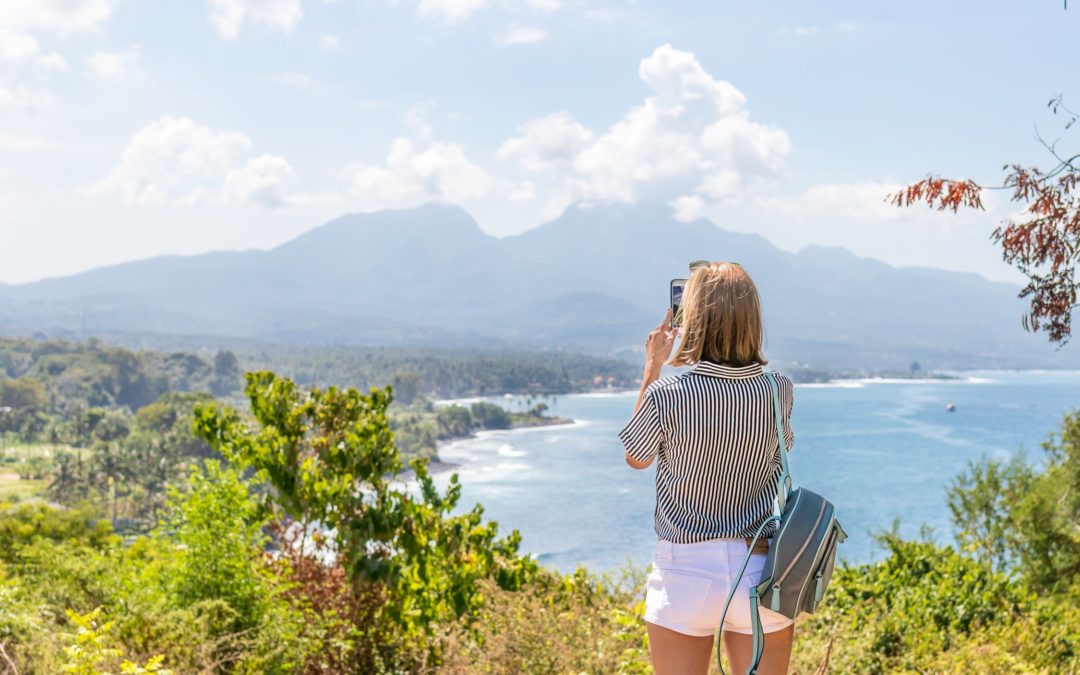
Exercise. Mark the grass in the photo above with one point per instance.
(17, 453)
(33, 460)
(15, 489)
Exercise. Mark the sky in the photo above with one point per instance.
(134, 128)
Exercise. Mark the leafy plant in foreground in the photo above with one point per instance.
(329, 460)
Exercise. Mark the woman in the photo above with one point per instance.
(712, 435)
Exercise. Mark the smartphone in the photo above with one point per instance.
(677, 286)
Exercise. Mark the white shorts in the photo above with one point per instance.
(690, 582)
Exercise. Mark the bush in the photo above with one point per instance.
(1025, 519)
(328, 458)
(927, 608)
(23, 524)
(559, 624)
(490, 416)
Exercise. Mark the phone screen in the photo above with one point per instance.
(677, 286)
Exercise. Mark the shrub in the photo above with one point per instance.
(490, 416)
(560, 624)
(929, 608)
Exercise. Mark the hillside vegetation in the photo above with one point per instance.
(278, 543)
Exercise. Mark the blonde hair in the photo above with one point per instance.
(721, 318)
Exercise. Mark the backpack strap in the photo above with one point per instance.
(755, 617)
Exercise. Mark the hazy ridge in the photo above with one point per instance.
(593, 280)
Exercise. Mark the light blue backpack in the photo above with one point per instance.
(802, 554)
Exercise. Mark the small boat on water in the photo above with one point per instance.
(949, 407)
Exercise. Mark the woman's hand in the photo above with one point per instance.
(659, 343)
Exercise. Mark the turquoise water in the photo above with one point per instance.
(880, 450)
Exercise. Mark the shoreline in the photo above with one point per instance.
(437, 465)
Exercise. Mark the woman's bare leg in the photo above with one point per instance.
(775, 658)
(676, 654)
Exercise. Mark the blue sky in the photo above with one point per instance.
(131, 128)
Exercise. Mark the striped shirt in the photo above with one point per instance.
(712, 432)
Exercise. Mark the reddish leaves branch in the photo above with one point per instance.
(1043, 244)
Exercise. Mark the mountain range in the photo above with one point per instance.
(593, 280)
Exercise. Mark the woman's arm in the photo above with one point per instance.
(657, 351)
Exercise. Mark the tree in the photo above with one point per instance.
(490, 416)
(22, 394)
(406, 386)
(1017, 517)
(328, 458)
(1044, 245)
(226, 373)
(455, 421)
(219, 528)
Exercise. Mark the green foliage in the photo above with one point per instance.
(490, 416)
(328, 456)
(129, 475)
(218, 527)
(24, 524)
(371, 575)
(227, 373)
(1012, 514)
(416, 431)
(442, 373)
(22, 393)
(90, 653)
(407, 386)
(925, 605)
(979, 500)
(151, 590)
(455, 421)
(560, 624)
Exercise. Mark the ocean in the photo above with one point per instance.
(883, 451)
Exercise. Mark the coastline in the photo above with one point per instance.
(437, 465)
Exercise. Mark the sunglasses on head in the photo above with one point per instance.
(702, 263)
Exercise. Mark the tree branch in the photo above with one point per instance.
(7, 660)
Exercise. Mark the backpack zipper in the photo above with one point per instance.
(822, 552)
(774, 605)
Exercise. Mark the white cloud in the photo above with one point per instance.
(261, 180)
(808, 31)
(601, 14)
(20, 96)
(417, 172)
(329, 43)
(688, 208)
(228, 16)
(863, 202)
(550, 142)
(545, 5)
(450, 11)
(416, 119)
(172, 159)
(295, 79)
(112, 65)
(517, 34)
(693, 137)
(19, 49)
(20, 20)
(60, 16)
(16, 143)
(523, 192)
(53, 61)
